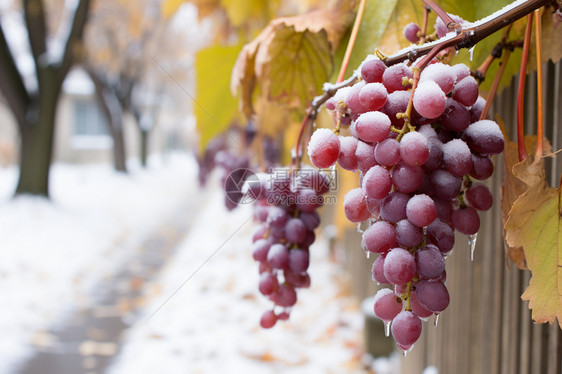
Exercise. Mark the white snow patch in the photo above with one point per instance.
(52, 253)
(211, 324)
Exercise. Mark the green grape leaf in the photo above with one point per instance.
(535, 223)
(214, 108)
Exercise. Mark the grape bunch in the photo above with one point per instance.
(286, 209)
(418, 171)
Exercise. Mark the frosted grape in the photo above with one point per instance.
(406, 328)
(365, 154)
(466, 220)
(430, 262)
(479, 196)
(387, 152)
(278, 256)
(372, 70)
(379, 237)
(441, 74)
(386, 305)
(399, 266)
(373, 96)
(414, 149)
(457, 157)
(484, 137)
(421, 210)
(466, 91)
(377, 182)
(354, 205)
(393, 77)
(346, 157)
(408, 234)
(455, 117)
(433, 296)
(268, 319)
(429, 99)
(411, 31)
(323, 148)
(372, 126)
(298, 260)
(407, 178)
(393, 207)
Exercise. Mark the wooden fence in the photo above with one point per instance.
(487, 328)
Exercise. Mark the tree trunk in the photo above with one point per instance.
(119, 152)
(144, 136)
(36, 138)
(113, 113)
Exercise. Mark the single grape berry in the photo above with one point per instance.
(421, 210)
(479, 196)
(399, 266)
(379, 237)
(268, 319)
(411, 31)
(414, 148)
(386, 305)
(372, 70)
(354, 205)
(406, 329)
(429, 99)
(466, 220)
(323, 148)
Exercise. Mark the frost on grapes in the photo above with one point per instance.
(416, 184)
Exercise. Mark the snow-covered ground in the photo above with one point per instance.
(207, 318)
(53, 252)
(204, 318)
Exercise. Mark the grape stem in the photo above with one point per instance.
(423, 32)
(467, 38)
(480, 73)
(408, 295)
(495, 84)
(352, 39)
(447, 20)
(540, 120)
(521, 90)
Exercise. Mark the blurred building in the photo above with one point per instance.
(82, 134)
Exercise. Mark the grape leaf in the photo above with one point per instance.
(295, 63)
(535, 223)
(214, 109)
(513, 187)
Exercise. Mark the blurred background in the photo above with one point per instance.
(118, 250)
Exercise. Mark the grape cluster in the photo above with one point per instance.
(286, 208)
(417, 173)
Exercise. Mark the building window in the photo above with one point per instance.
(90, 126)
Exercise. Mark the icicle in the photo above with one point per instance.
(387, 329)
(368, 254)
(436, 320)
(360, 228)
(472, 245)
(470, 53)
(405, 351)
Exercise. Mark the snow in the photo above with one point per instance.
(53, 253)
(211, 324)
(201, 313)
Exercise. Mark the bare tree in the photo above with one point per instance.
(34, 108)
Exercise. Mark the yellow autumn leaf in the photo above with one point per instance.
(295, 64)
(534, 223)
(214, 107)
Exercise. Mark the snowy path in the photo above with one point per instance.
(91, 337)
(206, 319)
(54, 253)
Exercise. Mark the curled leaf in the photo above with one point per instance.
(534, 223)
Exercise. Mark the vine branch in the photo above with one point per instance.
(467, 37)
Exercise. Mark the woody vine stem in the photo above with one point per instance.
(466, 37)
